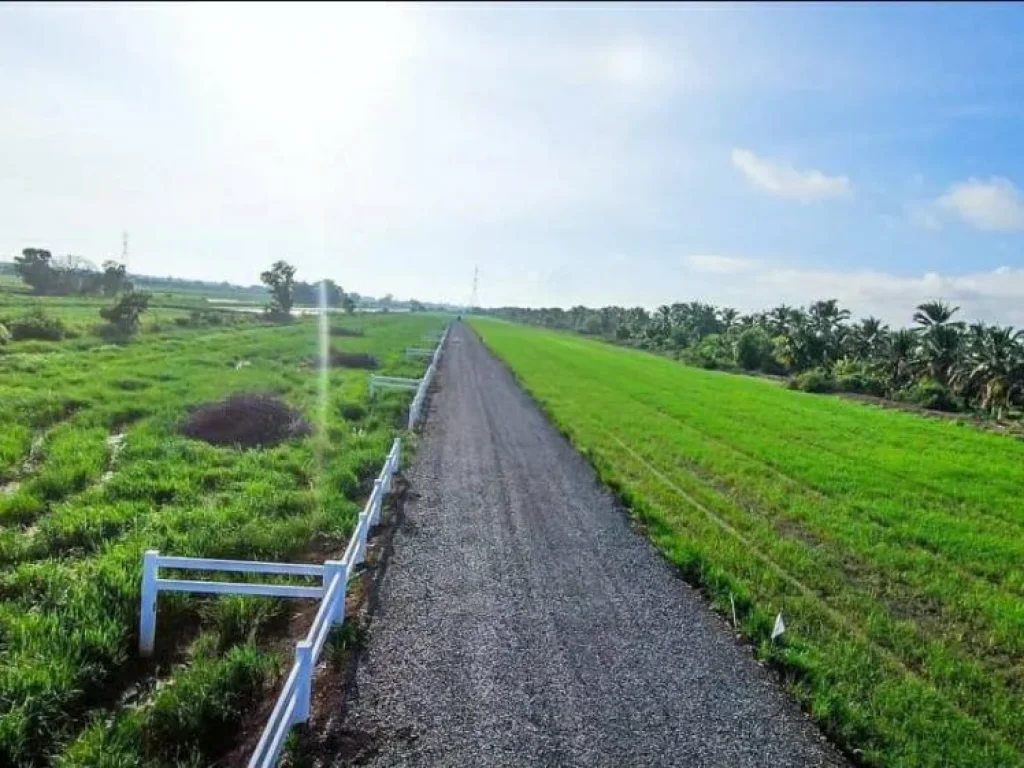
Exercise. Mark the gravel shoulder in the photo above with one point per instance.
(522, 621)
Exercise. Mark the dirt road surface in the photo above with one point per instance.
(522, 621)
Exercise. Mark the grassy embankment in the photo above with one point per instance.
(93, 472)
(893, 544)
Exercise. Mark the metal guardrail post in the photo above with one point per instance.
(147, 614)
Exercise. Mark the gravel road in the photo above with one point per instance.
(522, 621)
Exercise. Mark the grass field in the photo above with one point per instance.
(93, 471)
(893, 544)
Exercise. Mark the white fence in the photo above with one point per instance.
(421, 392)
(293, 703)
(422, 386)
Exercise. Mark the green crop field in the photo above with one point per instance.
(93, 471)
(892, 544)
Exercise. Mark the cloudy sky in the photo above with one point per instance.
(629, 154)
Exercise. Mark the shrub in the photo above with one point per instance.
(753, 349)
(814, 380)
(855, 376)
(930, 394)
(712, 352)
(126, 312)
(37, 325)
(861, 383)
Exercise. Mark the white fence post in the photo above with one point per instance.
(147, 606)
(364, 525)
(376, 502)
(332, 569)
(304, 681)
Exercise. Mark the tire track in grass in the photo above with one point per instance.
(964, 570)
(1011, 525)
(784, 405)
(992, 670)
(981, 579)
(832, 614)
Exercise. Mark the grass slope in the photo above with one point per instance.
(894, 545)
(93, 471)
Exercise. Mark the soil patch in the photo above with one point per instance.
(346, 332)
(249, 421)
(352, 360)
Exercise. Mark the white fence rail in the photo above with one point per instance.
(421, 392)
(422, 386)
(293, 703)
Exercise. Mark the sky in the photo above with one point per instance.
(634, 154)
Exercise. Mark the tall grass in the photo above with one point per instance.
(72, 691)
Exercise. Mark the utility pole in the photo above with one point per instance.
(476, 279)
(124, 248)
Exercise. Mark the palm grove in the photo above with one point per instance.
(940, 362)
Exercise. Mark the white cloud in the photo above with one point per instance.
(995, 205)
(783, 180)
(719, 264)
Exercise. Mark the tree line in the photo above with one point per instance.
(940, 362)
(70, 276)
(285, 292)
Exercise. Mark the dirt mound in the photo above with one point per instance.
(353, 360)
(248, 421)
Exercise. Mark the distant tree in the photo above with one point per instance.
(280, 279)
(416, 306)
(753, 349)
(35, 269)
(348, 302)
(125, 314)
(386, 302)
(114, 279)
(333, 293)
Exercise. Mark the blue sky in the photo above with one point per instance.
(630, 154)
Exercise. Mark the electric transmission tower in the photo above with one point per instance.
(473, 300)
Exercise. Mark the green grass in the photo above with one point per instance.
(893, 544)
(72, 532)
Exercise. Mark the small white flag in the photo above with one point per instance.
(779, 627)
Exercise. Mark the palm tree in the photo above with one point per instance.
(933, 313)
(727, 317)
(866, 337)
(939, 351)
(898, 358)
(827, 323)
(994, 365)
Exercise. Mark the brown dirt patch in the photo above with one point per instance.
(248, 421)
